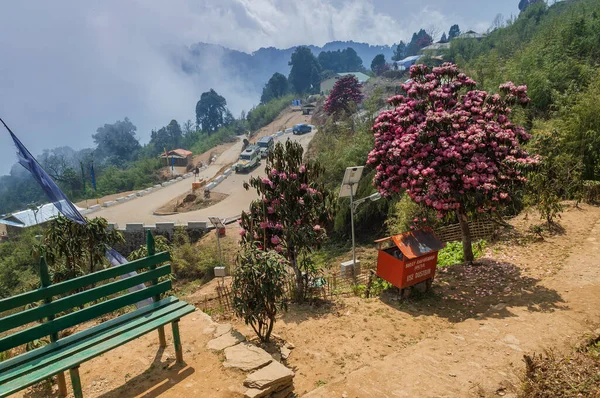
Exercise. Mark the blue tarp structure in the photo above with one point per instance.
(408, 61)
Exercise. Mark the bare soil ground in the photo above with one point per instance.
(528, 295)
(286, 119)
(466, 338)
(216, 152)
(141, 369)
(184, 203)
(471, 320)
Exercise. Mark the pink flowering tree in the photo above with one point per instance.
(292, 212)
(346, 91)
(451, 147)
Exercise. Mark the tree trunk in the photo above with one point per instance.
(299, 278)
(466, 236)
(299, 285)
(269, 330)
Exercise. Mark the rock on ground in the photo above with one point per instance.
(229, 339)
(283, 393)
(246, 356)
(221, 329)
(285, 352)
(274, 374)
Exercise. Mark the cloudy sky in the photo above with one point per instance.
(69, 66)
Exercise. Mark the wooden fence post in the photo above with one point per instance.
(44, 283)
(151, 251)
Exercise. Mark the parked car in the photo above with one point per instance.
(249, 159)
(266, 145)
(301, 129)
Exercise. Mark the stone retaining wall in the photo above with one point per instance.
(135, 233)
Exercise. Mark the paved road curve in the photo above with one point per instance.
(140, 210)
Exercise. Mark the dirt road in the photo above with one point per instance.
(140, 210)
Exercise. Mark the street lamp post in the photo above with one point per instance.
(348, 189)
(218, 224)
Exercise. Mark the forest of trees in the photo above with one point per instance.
(121, 163)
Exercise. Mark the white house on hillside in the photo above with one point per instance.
(327, 84)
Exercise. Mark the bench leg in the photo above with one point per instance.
(161, 337)
(76, 381)
(62, 384)
(177, 341)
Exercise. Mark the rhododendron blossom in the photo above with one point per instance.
(292, 203)
(449, 146)
(345, 91)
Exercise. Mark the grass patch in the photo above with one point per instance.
(453, 253)
(577, 374)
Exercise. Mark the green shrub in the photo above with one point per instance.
(161, 244)
(453, 253)
(18, 267)
(195, 262)
(263, 114)
(259, 288)
(403, 213)
(137, 175)
(4, 355)
(203, 142)
(379, 285)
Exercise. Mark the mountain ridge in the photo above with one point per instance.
(257, 67)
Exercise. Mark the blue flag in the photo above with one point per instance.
(64, 205)
(93, 174)
(58, 198)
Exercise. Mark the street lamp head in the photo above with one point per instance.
(376, 196)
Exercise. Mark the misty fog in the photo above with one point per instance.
(68, 67)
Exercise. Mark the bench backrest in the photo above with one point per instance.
(70, 299)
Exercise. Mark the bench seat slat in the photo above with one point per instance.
(82, 281)
(102, 334)
(74, 338)
(81, 316)
(78, 299)
(89, 353)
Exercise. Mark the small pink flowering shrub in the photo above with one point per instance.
(293, 210)
(449, 146)
(345, 92)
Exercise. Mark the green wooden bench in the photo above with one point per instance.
(69, 352)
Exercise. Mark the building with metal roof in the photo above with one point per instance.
(435, 47)
(31, 217)
(471, 35)
(178, 157)
(327, 84)
(407, 62)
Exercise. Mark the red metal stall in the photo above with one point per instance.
(410, 259)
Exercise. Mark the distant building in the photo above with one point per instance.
(181, 157)
(327, 84)
(308, 109)
(435, 48)
(471, 35)
(406, 62)
(15, 222)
